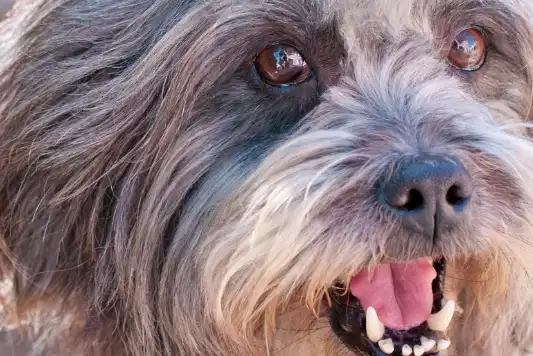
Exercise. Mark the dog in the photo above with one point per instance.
(273, 177)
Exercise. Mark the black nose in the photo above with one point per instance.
(429, 193)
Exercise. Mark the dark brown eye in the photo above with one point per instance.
(282, 65)
(469, 50)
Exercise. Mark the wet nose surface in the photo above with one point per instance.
(429, 193)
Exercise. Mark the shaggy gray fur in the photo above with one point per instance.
(153, 189)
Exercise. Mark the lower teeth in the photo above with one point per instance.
(387, 346)
(427, 344)
(441, 320)
(407, 350)
(375, 331)
(443, 344)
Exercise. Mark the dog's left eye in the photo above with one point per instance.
(282, 65)
(468, 50)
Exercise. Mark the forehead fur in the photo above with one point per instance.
(375, 31)
(434, 19)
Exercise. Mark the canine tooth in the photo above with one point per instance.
(419, 350)
(407, 350)
(427, 344)
(441, 320)
(443, 344)
(374, 328)
(386, 346)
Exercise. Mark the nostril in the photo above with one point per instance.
(456, 197)
(410, 201)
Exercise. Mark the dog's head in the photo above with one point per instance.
(289, 177)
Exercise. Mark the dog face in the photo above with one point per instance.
(275, 177)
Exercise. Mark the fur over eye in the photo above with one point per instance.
(468, 50)
(282, 65)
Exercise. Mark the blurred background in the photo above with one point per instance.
(4, 7)
(9, 345)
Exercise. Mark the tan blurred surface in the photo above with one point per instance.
(5, 5)
(10, 345)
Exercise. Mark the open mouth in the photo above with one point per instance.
(395, 309)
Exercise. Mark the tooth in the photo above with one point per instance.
(427, 344)
(386, 346)
(443, 344)
(374, 328)
(419, 350)
(441, 320)
(407, 350)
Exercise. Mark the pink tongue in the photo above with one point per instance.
(400, 292)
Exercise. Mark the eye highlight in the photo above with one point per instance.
(468, 50)
(282, 65)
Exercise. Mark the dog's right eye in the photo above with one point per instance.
(282, 65)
